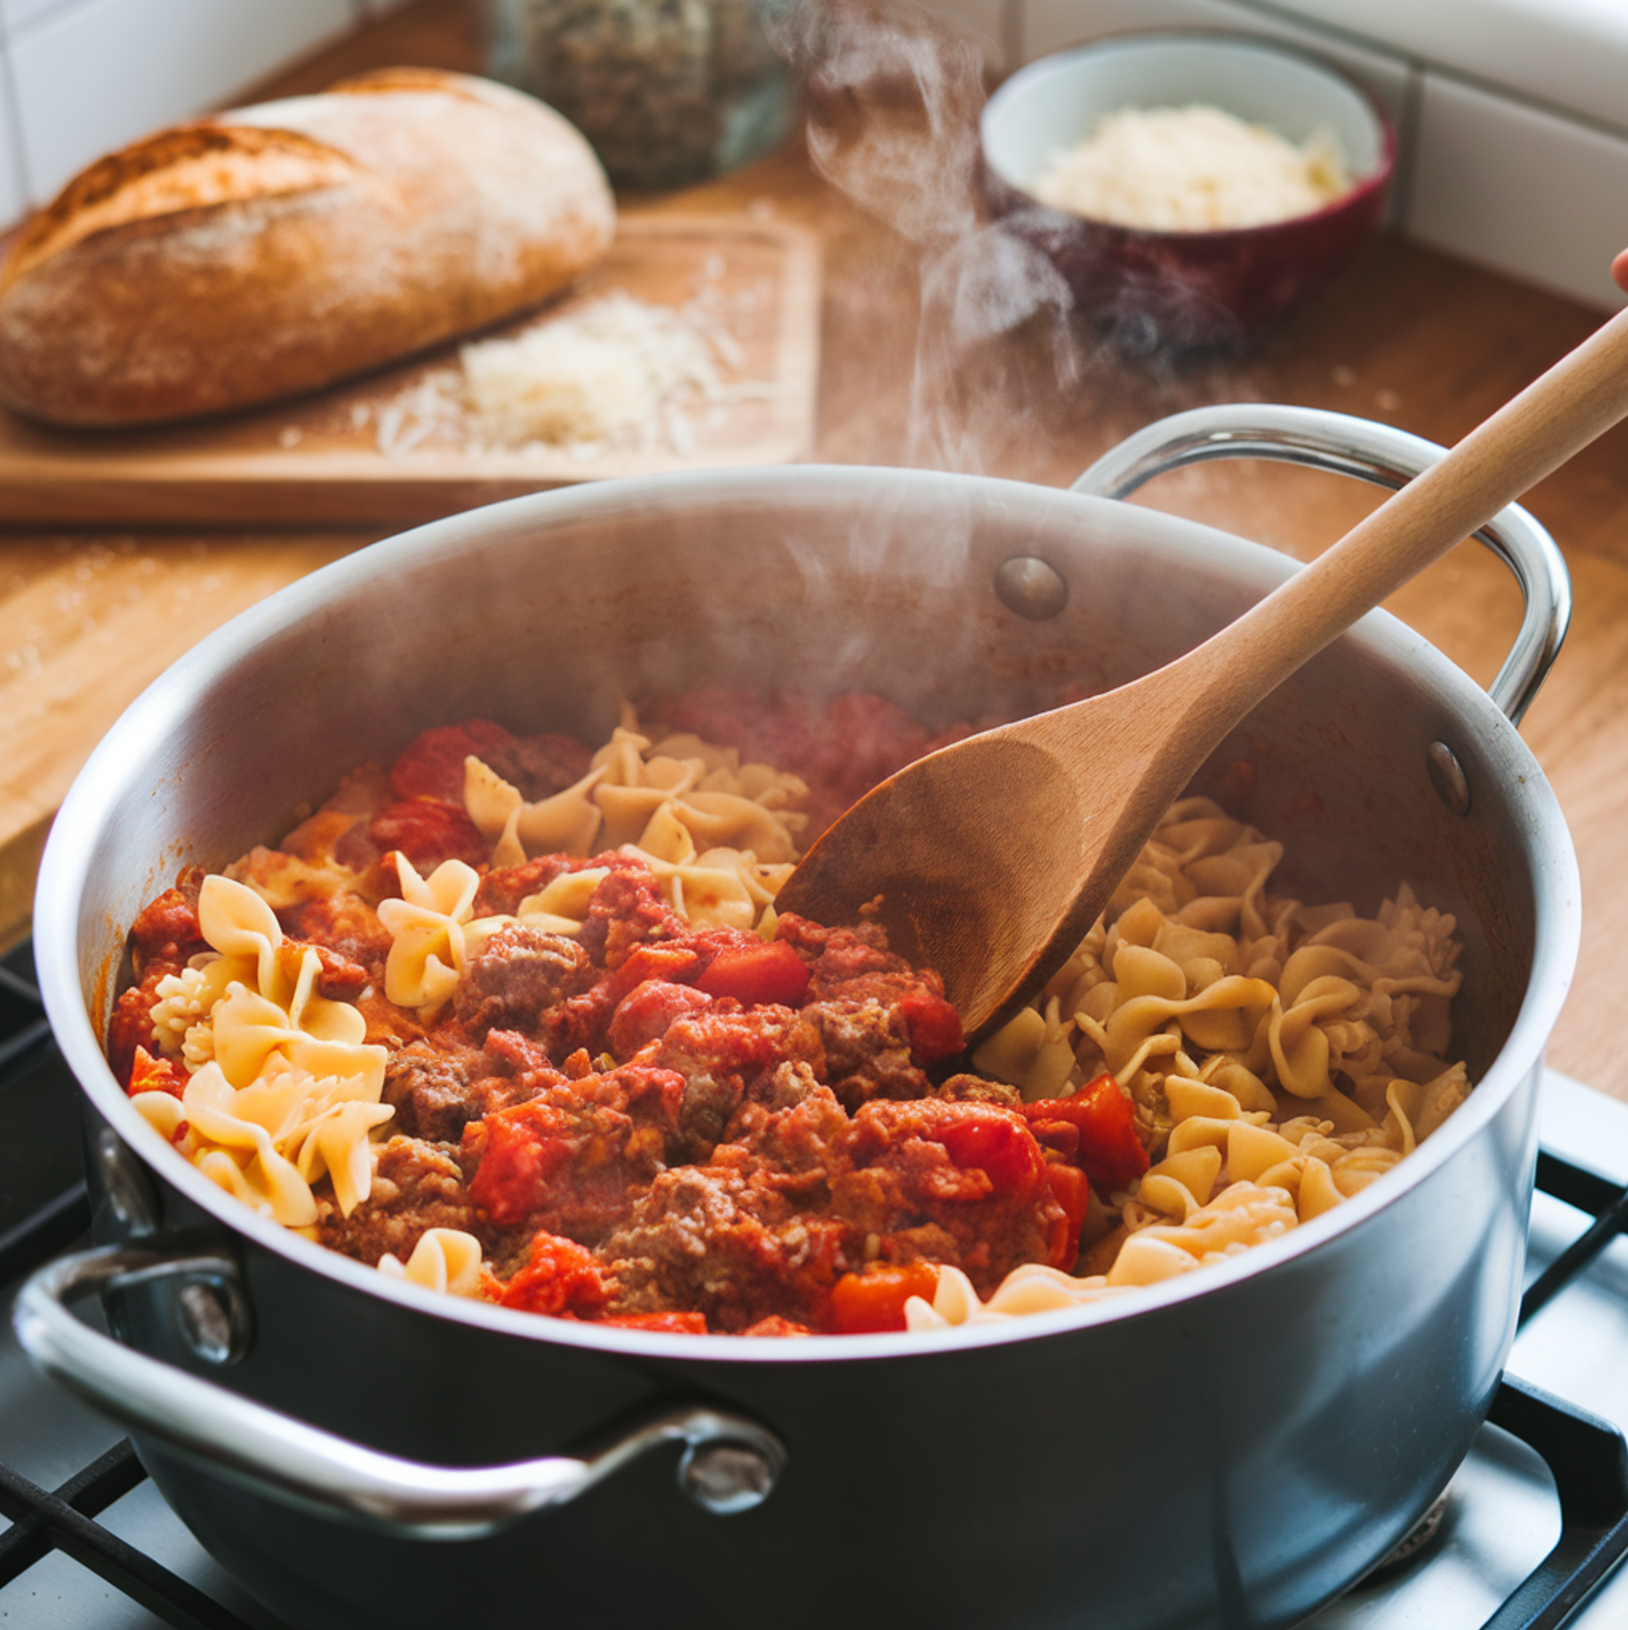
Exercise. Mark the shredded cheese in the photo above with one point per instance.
(599, 373)
(1190, 169)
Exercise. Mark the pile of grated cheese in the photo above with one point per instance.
(1190, 169)
(597, 374)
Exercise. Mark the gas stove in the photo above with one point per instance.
(1527, 1536)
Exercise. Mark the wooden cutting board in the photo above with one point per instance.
(397, 447)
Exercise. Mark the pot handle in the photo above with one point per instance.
(1375, 452)
(730, 1463)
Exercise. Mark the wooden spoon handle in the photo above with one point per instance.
(1557, 415)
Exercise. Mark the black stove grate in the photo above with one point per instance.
(44, 1208)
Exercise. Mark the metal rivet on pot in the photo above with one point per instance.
(1447, 777)
(1031, 588)
(214, 1320)
(725, 1477)
(124, 1180)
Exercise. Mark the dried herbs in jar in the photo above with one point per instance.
(666, 91)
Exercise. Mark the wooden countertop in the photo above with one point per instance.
(1411, 337)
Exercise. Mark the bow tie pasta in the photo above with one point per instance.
(282, 1087)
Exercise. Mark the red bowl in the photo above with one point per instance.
(1171, 289)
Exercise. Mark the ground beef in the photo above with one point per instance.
(627, 910)
(340, 978)
(960, 1183)
(131, 1024)
(975, 1089)
(545, 764)
(438, 1086)
(728, 1241)
(572, 1159)
(433, 764)
(786, 1086)
(722, 1052)
(428, 831)
(517, 977)
(417, 1185)
(837, 955)
(867, 1050)
(799, 1196)
(430, 1090)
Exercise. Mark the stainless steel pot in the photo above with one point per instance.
(1230, 1448)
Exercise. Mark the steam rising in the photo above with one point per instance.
(1009, 359)
(894, 99)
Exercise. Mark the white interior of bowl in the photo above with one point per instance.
(1056, 102)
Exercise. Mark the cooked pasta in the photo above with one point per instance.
(518, 1019)
(282, 1088)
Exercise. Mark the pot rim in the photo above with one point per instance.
(58, 912)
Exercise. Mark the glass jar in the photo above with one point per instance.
(666, 91)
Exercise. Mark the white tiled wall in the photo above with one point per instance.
(1570, 54)
(80, 77)
(16, 14)
(1549, 199)
(1512, 114)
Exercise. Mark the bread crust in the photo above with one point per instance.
(278, 248)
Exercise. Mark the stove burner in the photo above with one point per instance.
(1420, 1537)
(44, 1209)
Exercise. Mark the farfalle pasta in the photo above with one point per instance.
(516, 1018)
(427, 925)
(444, 1259)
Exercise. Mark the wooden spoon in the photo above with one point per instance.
(989, 859)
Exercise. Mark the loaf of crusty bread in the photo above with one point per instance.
(277, 248)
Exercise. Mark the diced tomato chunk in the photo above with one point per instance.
(428, 831)
(522, 1148)
(934, 1025)
(1071, 1189)
(998, 1145)
(1095, 1128)
(658, 961)
(874, 1299)
(761, 972)
(562, 1278)
(433, 764)
(647, 1013)
(160, 1074)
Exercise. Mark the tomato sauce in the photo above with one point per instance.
(653, 1124)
